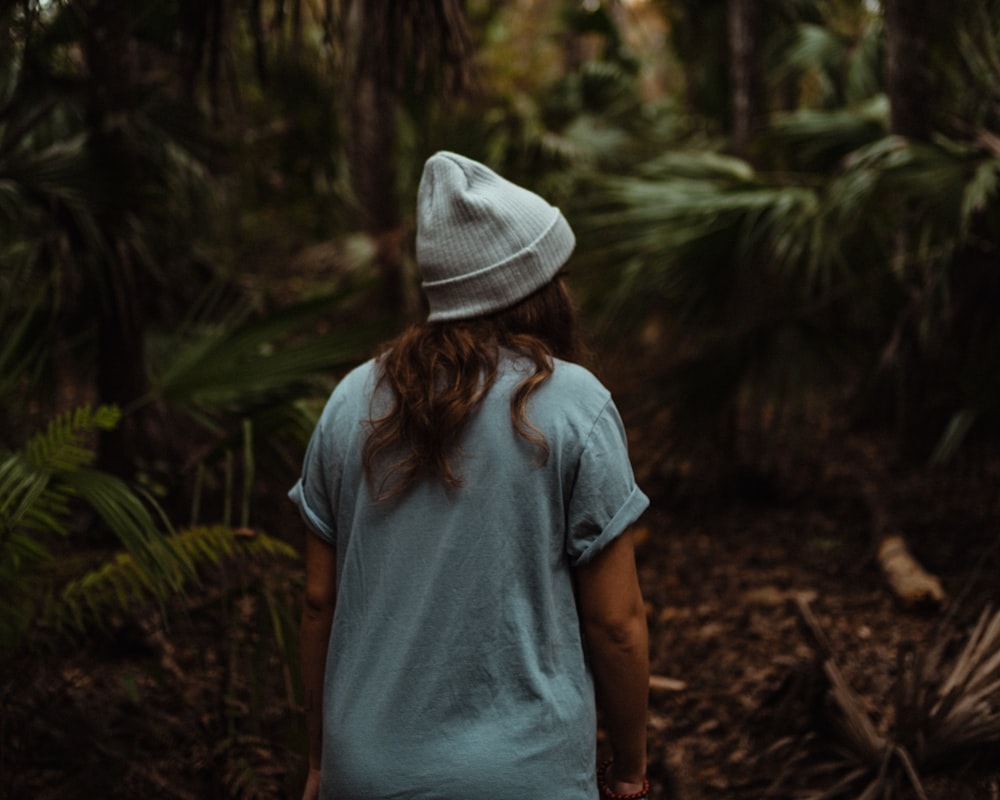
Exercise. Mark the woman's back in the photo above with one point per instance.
(457, 649)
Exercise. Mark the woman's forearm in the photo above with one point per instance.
(619, 660)
(314, 637)
(613, 624)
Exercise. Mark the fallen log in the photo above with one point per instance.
(914, 587)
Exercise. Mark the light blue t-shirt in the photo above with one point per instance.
(456, 668)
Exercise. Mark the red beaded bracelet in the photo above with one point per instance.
(602, 784)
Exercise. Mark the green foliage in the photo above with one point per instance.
(203, 146)
(40, 486)
(841, 251)
(818, 140)
(123, 582)
(830, 68)
(24, 326)
(235, 364)
(729, 261)
(34, 505)
(724, 251)
(32, 499)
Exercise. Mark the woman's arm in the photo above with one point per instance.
(613, 620)
(314, 637)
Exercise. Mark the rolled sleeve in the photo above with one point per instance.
(314, 490)
(605, 499)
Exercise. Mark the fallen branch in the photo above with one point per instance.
(910, 582)
(873, 750)
(854, 722)
(913, 586)
(665, 684)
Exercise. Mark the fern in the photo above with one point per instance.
(123, 582)
(63, 446)
(38, 483)
(124, 512)
(29, 498)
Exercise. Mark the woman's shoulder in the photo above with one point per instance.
(359, 378)
(572, 392)
(353, 389)
(569, 376)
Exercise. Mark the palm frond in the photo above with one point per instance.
(62, 447)
(937, 188)
(981, 191)
(757, 265)
(963, 710)
(936, 179)
(820, 53)
(970, 68)
(704, 165)
(693, 240)
(816, 140)
(864, 72)
(946, 711)
(955, 433)
(23, 314)
(831, 65)
(238, 364)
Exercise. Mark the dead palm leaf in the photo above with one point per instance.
(946, 712)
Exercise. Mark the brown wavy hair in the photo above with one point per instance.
(438, 374)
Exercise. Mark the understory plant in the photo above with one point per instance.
(944, 716)
(48, 488)
(206, 613)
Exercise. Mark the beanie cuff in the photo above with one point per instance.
(506, 283)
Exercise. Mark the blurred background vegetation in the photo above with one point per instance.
(784, 208)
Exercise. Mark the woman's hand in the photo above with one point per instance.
(311, 792)
(624, 787)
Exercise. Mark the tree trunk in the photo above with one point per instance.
(907, 30)
(121, 368)
(117, 285)
(913, 376)
(746, 80)
(698, 35)
(372, 156)
(374, 168)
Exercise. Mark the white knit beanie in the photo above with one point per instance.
(483, 243)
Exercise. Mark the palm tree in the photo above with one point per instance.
(796, 265)
(90, 147)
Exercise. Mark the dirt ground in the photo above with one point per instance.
(201, 708)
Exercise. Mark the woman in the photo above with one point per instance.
(470, 575)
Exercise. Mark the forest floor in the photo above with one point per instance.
(722, 586)
(791, 516)
(200, 708)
